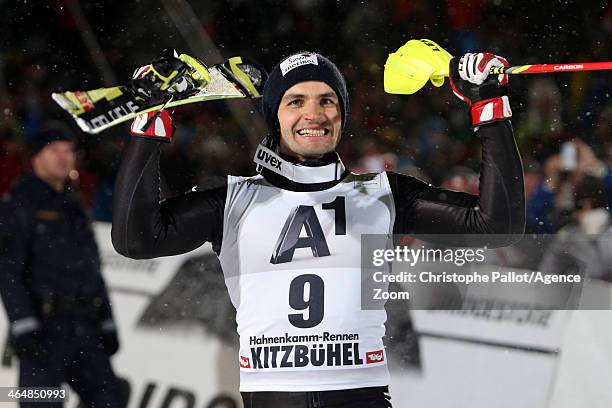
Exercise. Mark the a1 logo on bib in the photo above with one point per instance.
(305, 216)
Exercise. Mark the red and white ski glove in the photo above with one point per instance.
(162, 128)
(487, 95)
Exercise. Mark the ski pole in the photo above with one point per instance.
(545, 68)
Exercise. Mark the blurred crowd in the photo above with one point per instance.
(563, 122)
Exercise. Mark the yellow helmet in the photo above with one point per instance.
(409, 68)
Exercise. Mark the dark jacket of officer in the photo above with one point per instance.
(49, 262)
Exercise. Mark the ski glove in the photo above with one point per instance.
(162, 128)
(27, 341)
(487, 95)
(108, 341)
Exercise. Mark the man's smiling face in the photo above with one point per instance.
(310, 120)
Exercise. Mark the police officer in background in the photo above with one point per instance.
(61, 323)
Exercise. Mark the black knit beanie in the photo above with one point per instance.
(301, 67)
(51, 132)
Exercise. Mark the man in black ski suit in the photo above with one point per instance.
(288, 239)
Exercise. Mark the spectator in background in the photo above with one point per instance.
(461, 179)
(61, 323)
(551, 204)
(542, 121)
(585, 245)
(602, 133)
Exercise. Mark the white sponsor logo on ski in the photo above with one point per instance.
(568, 66)
(113, 114)
(297, 60)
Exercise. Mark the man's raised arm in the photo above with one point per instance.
(144, 225)
(500, 206)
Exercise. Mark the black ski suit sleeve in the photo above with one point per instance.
(144, 225)
(498, 209)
